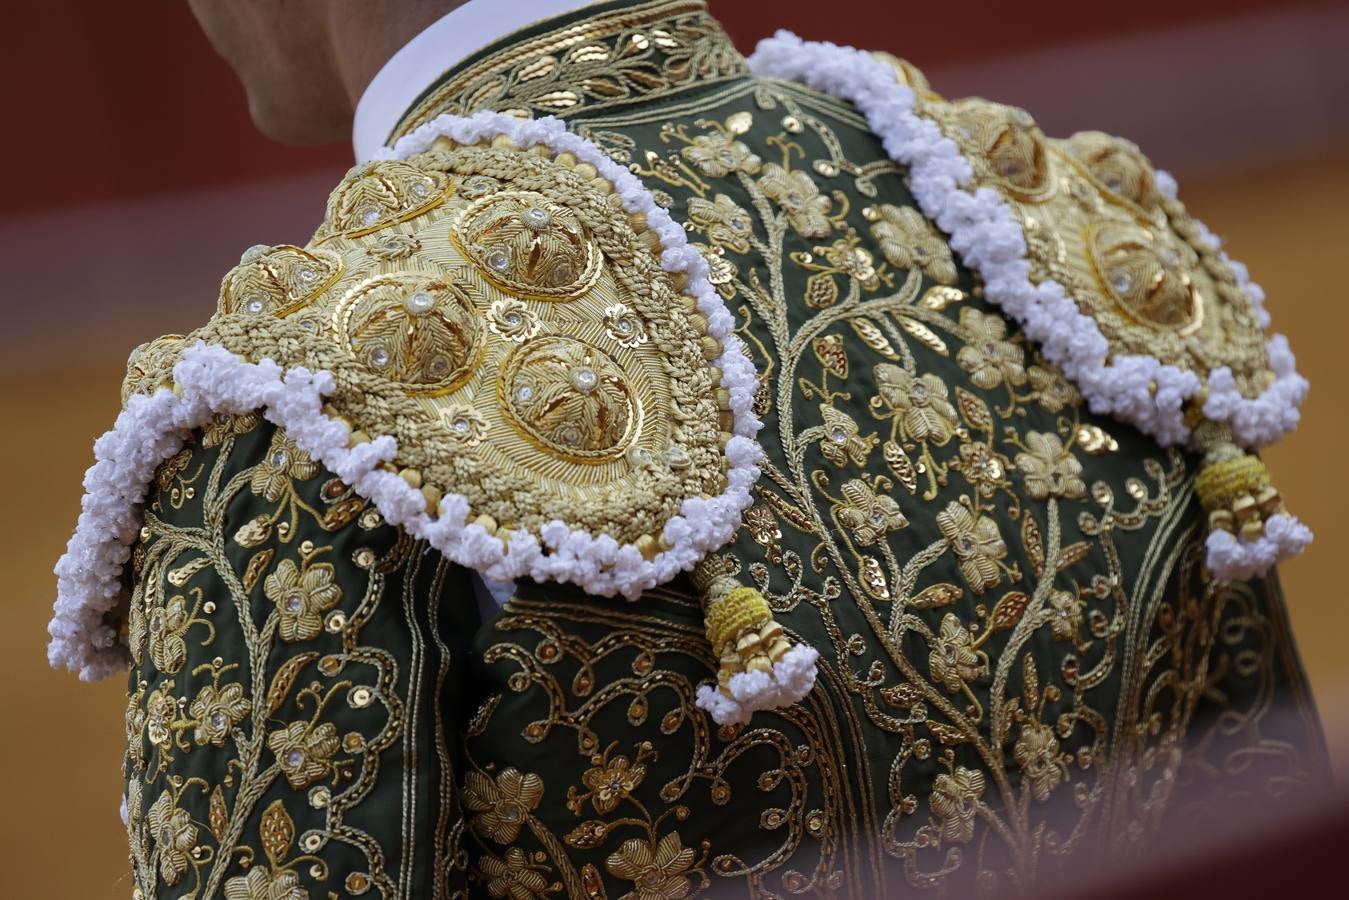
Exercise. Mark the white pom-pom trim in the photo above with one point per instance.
(793, 677)
(211, 380)
(1139, 390)
(991, 242)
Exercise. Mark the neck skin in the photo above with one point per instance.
(363, 37)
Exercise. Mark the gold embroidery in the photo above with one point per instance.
(637, 54)
(511, 355)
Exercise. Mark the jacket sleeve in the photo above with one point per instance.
(295, 661)
(1254, 734)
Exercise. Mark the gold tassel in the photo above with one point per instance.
(740, 624)
(1233, 486)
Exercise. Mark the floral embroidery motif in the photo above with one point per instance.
(305, 751)
(658, 870)
(302, 597)
(870, 516)
(926, 412)
(1049, 469)
(955, 801)
(842, 441)
(977, 544)
(502, 805)
(910, 241)
(216, 710)
(174, 836)
(718, 155)
(953, 659)
(800, 199)
(727, 224)
(989, 357)
(283, 463)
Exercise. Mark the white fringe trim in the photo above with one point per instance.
(211, 380)
(988, 238)
(793, 677)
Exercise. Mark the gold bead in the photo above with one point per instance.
(1244, 507)
(602, 185)
(357, 437)
(723, 398)
(1252, 529)
(711, 348)
(699, 322)
(760, 663)
(680, 281)
(638, 222)
(565, 159)
(412, 477)
(488, 523)
(714, 375)
(503, 142)
(647, 545)
(586, 171)
(432, 495)
(1221, 520)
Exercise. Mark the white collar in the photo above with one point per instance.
(422, 60)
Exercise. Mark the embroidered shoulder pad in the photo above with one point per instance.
(501, 340)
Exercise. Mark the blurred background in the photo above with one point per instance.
(134, 180)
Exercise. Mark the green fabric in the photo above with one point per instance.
(905, 513)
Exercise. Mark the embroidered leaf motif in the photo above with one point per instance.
(592, 883)
(829, 351)
(1095, 440)
(945, 733)
(277, 832)
(217, 818)
(974, 410)
(1031, 680)
(873, 578)
(256, 566)
(1073, 554)
(872, 337)
(1007, 611)
(339, 514)
(788, 512)
(603, 87)
(183, 574)
(924, 334)
(253, 532)
(821, 290)
(901, 465)
(935, 596)
(901, 695)
(285, 677)
(941, 296)
(588, 835)
(1030, 538)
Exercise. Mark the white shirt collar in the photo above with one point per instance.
(445, 43)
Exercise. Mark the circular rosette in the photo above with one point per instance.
(569, 398)
(1007, 145)
(529, 245)
(376, 195)
(278, 280)
(1119, 168)
(1147, 275)
(418, 330)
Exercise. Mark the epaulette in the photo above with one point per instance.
(1089, 249)
(499, 338)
